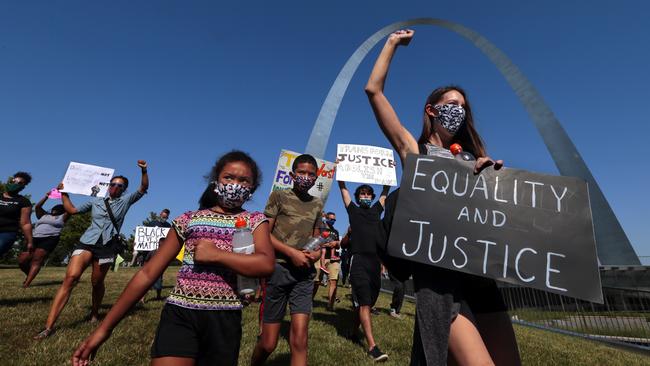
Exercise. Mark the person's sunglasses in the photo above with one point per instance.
(119, 185)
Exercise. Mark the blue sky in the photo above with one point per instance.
(180, 83)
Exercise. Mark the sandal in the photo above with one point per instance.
(44, 334)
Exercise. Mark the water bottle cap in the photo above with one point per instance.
(240, 223)
(455, 149)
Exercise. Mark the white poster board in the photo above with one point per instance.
(366, 164)
(325, 172)
(146, 237)
(86, 179)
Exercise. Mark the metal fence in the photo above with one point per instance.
(623, 318)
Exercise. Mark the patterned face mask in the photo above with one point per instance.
(303, 183)
(365, 202)
(450, 116)
(232, 195)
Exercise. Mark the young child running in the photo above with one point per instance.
(365, 266)
(294, 217)
(201, 322)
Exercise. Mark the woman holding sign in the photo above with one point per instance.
(456, 313)
(98, 245)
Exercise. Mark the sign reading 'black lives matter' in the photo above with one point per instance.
(511, 225)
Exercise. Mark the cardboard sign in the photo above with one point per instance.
(89, 180)
(515, 226)
(147, 237)
(325, 172)
(366, 164)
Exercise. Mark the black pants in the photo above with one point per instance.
(398, 293)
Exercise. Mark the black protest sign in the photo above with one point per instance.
(511, 225)
(146, 238)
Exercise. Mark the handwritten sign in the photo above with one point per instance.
(325, 173)
(89, 180)
(366, 164)
(146, 237)
(511, 225)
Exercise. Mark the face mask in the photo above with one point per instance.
(303, 183)
(232, 195)
(14, 187)
(450, 116)
(330, 222)
(365, 202)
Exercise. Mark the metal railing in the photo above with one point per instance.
(623, 318)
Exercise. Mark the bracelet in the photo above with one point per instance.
(144, 170)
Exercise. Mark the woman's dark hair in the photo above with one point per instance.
(58, 208)
(209, 197)
(125, 179)
(24, 176)
(467, 136)
(361, 189)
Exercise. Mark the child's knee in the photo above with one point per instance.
(268, 344)
(298, 341)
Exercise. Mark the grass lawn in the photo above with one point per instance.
(23, 313)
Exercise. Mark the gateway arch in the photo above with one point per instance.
(612, 244)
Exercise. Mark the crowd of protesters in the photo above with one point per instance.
(201, 321)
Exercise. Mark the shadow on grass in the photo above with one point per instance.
(280, 360)
(104, 308)
(24, 300)
(342, 318)
(45, 283)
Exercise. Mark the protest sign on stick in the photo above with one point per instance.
(146, 237)
(365, 164)
(325, 175)
(86, 179)
(512, 225)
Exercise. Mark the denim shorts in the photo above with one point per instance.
(7, 239)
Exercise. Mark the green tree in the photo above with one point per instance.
(152, 218)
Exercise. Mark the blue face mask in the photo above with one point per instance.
(330, 222)
(365, 202)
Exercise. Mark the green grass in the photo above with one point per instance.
(23, 313)
(624, 328)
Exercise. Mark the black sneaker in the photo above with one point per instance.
(377, 354)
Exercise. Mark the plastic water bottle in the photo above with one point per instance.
(316, 242)
(242, 243)
(459, 154)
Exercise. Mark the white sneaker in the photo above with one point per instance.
(395, 314)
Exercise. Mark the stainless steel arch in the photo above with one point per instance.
(613, 245)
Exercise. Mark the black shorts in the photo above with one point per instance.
(103, 253)
(211, 337)
(291, 285)
(47, 243)
(365, 278)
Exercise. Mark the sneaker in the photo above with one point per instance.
(377, 354)
(374, 311)
(395, 314)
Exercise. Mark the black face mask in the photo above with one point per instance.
(13, 188)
